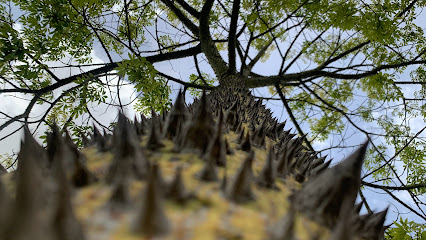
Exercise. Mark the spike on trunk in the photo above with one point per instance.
(176, 189)
(239, 189)
(151, 219)
(284, 229)
(128, 160)
(176, 118)
(322, 197)
(154, 142)
(65, 223)
(267, 176)
(246, 143)
(199, 130)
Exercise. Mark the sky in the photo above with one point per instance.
(16, 104)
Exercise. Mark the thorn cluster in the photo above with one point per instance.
(221, 138)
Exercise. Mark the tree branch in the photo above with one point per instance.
(207, 45)
(281, 22)
(407, 8)
(292, 77)
(181, 16)
(396, 154)
(261, 52)
(409, 187)
(365, 201)
(293, 119)
(343, 54)
(404, 204)
(186, 84)
(189, 9)
(232, 36)
(199, 71)
(106, 68)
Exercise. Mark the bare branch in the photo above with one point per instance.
(404, 204)
(365, 202)
(293, 119)
(343, 54)
(199, 71)
(396, 154)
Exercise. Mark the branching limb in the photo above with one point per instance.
(396, 154)
(96, 120)
(369, 139)
(343, 54)
(83, 14)
(282, 21)
(291, 77)
(286, 54)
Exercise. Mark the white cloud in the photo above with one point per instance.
(17, 26)
(95, 58)
(405, 197)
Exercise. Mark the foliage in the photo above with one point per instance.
(8, 161)
(154, 89)
(406, 230)
(205, 79)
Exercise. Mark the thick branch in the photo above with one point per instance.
(189, 9)
(207, 45)
(291, 77)
(403, 188)
(261, 52)
(179, 14)
(232, 36)
(106, 68)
